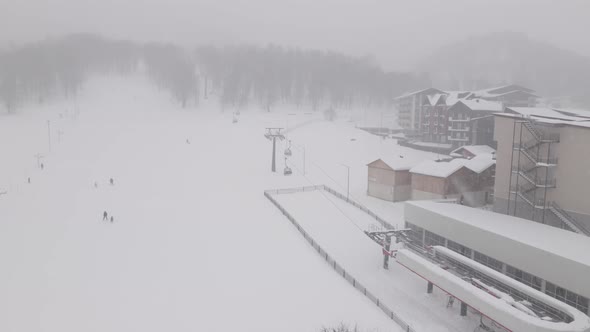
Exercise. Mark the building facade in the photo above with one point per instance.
(468, 181)
(389, 181)
(542, 172)
(471, 122)
(409, 108)
(458, 117)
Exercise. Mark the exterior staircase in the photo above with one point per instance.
(527, 190)
(572, 223)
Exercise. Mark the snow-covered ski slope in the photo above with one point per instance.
(194, 245)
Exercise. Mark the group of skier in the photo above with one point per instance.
(105, 215)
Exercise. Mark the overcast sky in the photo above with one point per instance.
(397, 33)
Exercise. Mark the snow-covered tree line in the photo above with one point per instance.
(236, 75)
(273, 74)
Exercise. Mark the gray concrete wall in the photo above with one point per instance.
(573, 170)
(572, 173)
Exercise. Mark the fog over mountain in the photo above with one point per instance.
(509, 57)
(397, 33)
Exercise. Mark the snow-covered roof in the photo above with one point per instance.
(537, 111)
(438, 169)
(577, 122)
(502, 91)
(574, 112)
(480, 162)
(399, 163)
(564, 252)
(474, 149)
(512, 92)
(544, 112)
(506, 88)
(434, 99)
(443, 169)
(482, 105)
(407, 94)
(454, 96)
(556, 240)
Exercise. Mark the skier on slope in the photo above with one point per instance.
(105, 216)
(112, 182)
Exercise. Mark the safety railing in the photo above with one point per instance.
(324, 254)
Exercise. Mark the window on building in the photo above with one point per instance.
(573, 299)
(459, 248)
(431, 239)
(487, 261)
(524, 277)
(415, 233)
(583, 304)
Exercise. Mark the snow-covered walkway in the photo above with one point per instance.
(338, 227)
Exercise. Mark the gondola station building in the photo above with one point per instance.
(551, 260)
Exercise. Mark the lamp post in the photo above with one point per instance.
(49, 134)
(347, 180)
(304, 160)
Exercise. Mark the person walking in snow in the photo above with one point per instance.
(105, 216)
(112, 219)
(112, 182)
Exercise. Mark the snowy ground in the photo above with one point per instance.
(194, 244)
(338, 227)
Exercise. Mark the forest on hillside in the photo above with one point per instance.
(235, 75)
